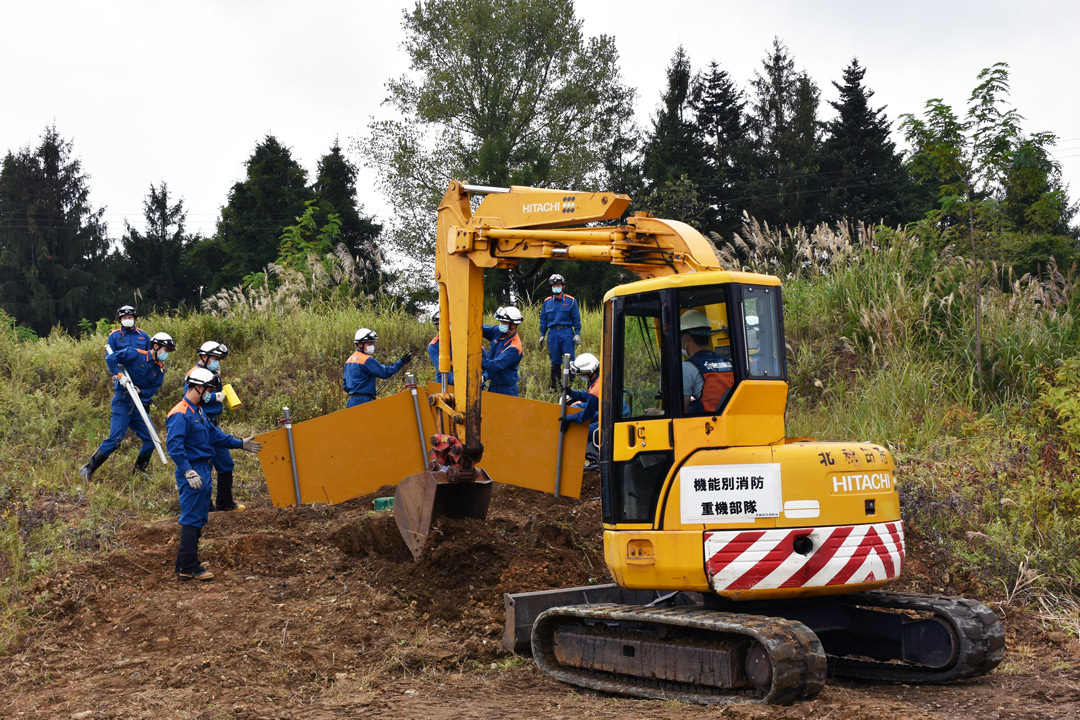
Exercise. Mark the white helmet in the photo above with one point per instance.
(585, 364)
(694, 320)
(164, 340)
(435, 318)
(364, 335)
(509, 315)
(214, 349)
(200, 377)
(556, 279)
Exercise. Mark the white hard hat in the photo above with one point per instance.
(509, 314)
(165, 340)
(201, 376)
(585, 364)
(213, 348)
(556, 279)
(694, 320)
(364, 335)
(435, 318)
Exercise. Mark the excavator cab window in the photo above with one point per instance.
(705, 339)
(760, 318)
(641, 358)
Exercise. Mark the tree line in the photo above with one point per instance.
(540, 103)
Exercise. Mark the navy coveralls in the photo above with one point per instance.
(561, 320)
(192, 441)
(147, 374)
(223, 459)
(501, 361)
(360, 373)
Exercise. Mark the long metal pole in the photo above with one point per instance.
(562, 419)
(292, 453)
(410, 382)
(137, 401)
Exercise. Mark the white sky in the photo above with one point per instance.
(182, 91)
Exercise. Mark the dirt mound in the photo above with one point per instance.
(321, 612)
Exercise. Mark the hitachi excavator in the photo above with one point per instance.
(747, 565)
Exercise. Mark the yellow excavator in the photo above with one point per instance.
(747, 565)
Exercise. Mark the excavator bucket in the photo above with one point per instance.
(425, 496)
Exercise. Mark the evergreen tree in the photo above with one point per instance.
(52, 243)
(865, 175)
(335, 192)
(675, 152)
(270, 198)
(722, 128)
(156, 260)
(785, 134)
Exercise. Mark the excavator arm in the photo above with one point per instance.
(525, 223)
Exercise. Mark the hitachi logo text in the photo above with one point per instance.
(542, 207)
(862, 482)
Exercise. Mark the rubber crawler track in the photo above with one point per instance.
(978, 630)
(798, 660)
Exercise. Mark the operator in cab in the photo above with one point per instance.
(361, 369)
(707, 373)
(587, 365)
(560, 325)
(501, 359)
(144, 370)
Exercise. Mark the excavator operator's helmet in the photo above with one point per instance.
(696, 323)
(164, 340)
(364, 336)
(585, 364)
(213, 349)
(509, 315)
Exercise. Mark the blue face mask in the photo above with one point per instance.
(163, 355)
(504, 328)
(214, 365)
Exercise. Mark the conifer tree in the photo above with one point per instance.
(721, 123)
(156, 260)
(335, 192)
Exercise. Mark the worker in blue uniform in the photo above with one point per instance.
(560, 325)
(192, 439)
(211, 353)
(361, 369)
(127, 335)
(433, 352)
(145, 371)
(587, 365)
(503, 355)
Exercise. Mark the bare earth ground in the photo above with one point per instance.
(321, 613)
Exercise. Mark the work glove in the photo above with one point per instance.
(193, 479)
(251, 445)
(218, 396)
(125, 381)
(577, 340)
(406, 358)
(541, 343)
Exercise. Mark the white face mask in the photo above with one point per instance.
(557, 289)
(504, 328)
(369, 349)
(128, 322)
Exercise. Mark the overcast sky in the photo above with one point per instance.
(182, 91)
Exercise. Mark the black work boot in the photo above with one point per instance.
(224, 493)
(187, 556)
(87, 470)
(556, 377)
(142, 462)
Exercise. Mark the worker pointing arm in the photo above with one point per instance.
(361, 369)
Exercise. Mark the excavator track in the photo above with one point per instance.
(977, 635)
(679, 653)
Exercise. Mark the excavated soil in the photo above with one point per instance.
(321, 613)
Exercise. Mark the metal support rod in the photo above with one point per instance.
(137, 402)
(410, 382)
(484, 189)
(292, 453)
(562, 420)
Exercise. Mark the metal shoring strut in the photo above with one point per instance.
(562, 420)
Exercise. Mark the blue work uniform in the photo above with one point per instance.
(121, 338)
(561, 320)
(191, 442)
(147, 374)
(223, 459)
(360, 373)
(589, 400)
(501, 360)
(433, 356)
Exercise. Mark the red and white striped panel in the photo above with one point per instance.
(765, 559)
